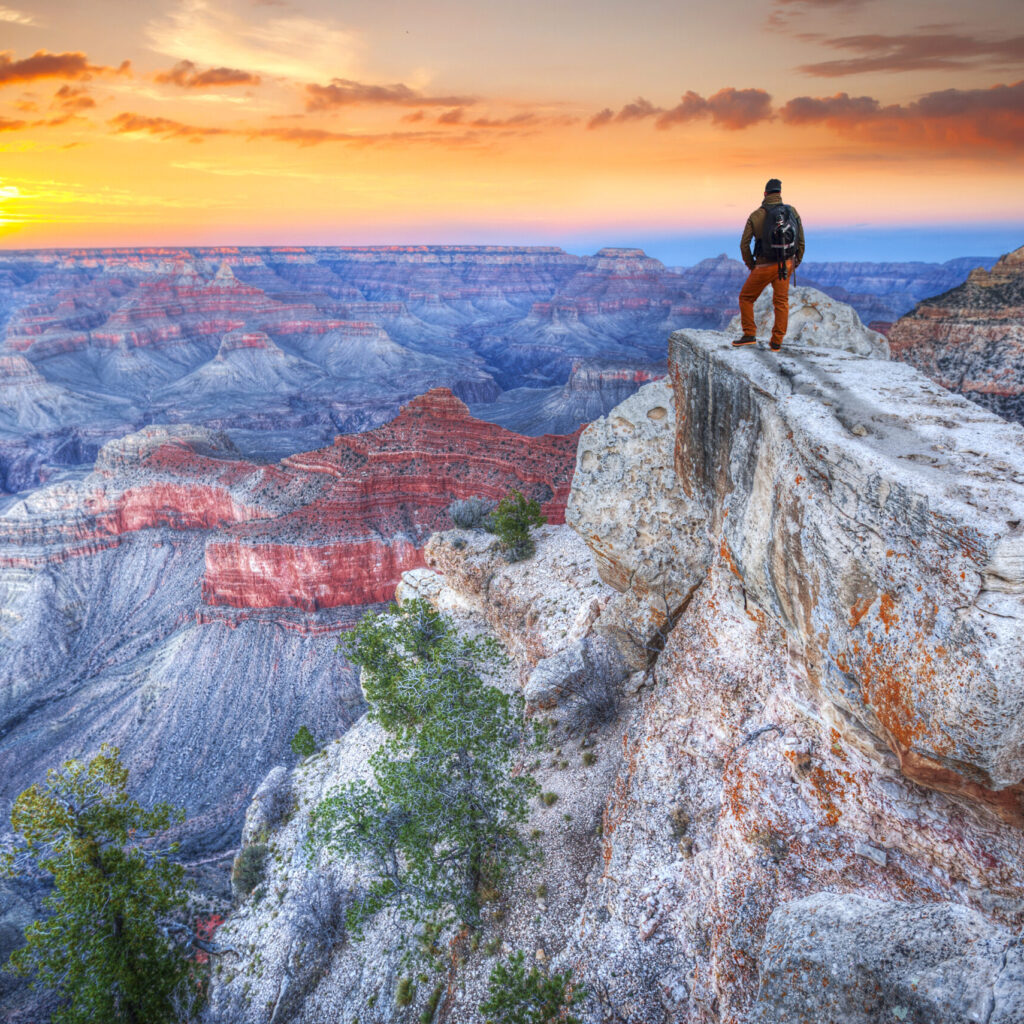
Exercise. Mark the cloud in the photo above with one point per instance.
(837, 110)
(10, 15)
(167, 128)
(8, 124)
(949, 120)
(728, 108)
(71, 98)
(129, 123)
(52, 65)
(917, 52)
(522, 120)
(783, 12)
(186, 74)
(343, 92)
(289, 45)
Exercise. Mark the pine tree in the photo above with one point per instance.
(439, 825)
(516, 995)
(511, 521)
(106, 946)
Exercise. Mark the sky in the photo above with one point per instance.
(896, 128)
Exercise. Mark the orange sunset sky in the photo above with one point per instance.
(541, 121)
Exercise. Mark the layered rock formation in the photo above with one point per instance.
(594, 386)
(286, 347)
(971, 339)
(807, 804)
(184, 602)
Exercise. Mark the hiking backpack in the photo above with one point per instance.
(778, 235)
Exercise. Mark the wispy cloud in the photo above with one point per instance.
(784, 13)
(71, 98)
(13, 17)
(127, 123)
(52, 65)
(167, 128)
(917, 52)
(344, 92)
(288, 45)
(188, 76)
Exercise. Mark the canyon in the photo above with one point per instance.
(283, 347)
(213, 461)
(185, 602)
(803, 576)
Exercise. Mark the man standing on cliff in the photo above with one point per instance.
(778, 237)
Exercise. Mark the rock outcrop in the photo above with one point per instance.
(816, 319)
(971, 339)
(860, 505)
(807, 789)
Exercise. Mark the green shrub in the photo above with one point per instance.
(518, 996)
(107, 947)
(405, 992)
(249, 868)
(303, 743)
(548, 799)
(589, 758)
(511, 521)
(431, 1008)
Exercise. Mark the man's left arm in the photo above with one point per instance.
(799, 240)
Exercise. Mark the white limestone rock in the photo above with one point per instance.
(818, 320)
(892, 554)
(630, 507)
(836, 958)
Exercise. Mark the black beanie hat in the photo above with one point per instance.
(774, 185)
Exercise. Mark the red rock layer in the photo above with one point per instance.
(328, 528)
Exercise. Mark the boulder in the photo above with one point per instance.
(629, 505)
(836, 958)
(586, 675)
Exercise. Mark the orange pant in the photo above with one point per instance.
(760, 277)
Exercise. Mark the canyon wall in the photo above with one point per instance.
(970, 339)
(283, 347)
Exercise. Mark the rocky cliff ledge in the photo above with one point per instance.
(804, 575)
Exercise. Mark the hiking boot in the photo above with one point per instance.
(747, 339)
(773, 345)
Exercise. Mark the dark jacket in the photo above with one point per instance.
(752, 231)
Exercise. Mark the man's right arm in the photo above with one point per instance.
(748, 234)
